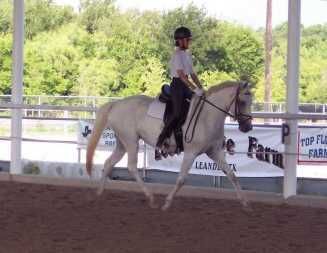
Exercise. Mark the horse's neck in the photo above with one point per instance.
(223, 98)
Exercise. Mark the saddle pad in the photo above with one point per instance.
(157, 109)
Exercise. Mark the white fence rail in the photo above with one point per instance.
(94, 101)
(261, 115)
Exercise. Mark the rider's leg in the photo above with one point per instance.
(177, 96)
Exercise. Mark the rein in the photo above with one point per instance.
(220, 109)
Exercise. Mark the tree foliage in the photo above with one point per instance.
(103, 51)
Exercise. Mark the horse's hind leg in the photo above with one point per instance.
(132, 151)
(219, 157)
(109, 164)
(186, 165)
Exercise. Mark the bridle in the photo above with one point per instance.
(237, 111)
(236, 116)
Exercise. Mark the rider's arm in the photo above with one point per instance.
(185, 79)
(196, 80)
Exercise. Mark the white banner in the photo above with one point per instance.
(312, 146)
(107, 140)
(258, 153)
(259, 164)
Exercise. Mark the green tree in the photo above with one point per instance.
(51, 63)
(44, 15)
(5, 64)
(278, 81)
(146, 77)
(93, 12)
(5, 16)
(98, 77)
(244, 50)
(211, 78)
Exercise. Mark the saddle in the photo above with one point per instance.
(165, 97)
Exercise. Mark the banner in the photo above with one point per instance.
(257, 154)
(312, 146)
(107, 142)
(107, 139)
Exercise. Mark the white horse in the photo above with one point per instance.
(130, 122)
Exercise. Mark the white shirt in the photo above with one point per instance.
(181, 60)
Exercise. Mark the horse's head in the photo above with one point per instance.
(242, 107)
(235, 102)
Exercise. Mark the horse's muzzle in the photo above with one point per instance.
(246, 126)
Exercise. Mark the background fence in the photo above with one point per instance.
(92, 102)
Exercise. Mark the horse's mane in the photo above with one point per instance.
(220, 86)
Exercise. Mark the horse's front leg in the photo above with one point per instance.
(219, 157)
(132, 168)
(186, 165)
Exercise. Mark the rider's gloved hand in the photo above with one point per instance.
(199, 92)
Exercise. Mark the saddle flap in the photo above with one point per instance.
(157, 109)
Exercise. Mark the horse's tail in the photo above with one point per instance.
(100, 124)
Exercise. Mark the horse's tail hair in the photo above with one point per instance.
(100, 123)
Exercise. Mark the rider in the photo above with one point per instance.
(181, 68)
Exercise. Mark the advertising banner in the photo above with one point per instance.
(107, 140)
(257, 154)
(312, 146)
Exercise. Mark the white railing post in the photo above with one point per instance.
(17, 88)
(293, 52)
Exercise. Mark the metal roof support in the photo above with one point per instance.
(17, 88)
(292, 103)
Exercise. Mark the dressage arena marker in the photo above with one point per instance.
(186, 191)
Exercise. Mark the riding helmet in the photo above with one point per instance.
(182, 32)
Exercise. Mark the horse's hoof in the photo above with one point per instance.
(99, 191)
(247, 208)
(165, 207)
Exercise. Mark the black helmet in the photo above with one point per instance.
(182, 32)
